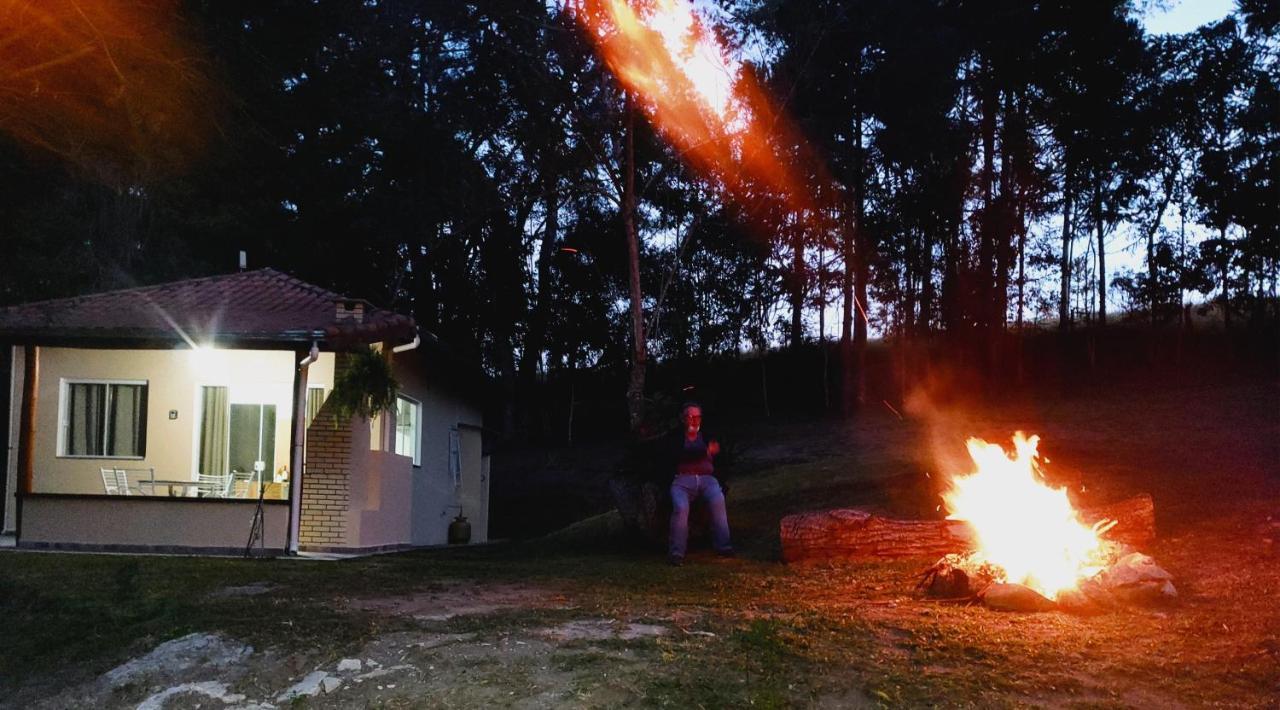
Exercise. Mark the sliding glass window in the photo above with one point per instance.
(409, 429)
(104, 419)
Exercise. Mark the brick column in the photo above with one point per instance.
(326, 483)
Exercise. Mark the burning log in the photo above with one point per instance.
(858, 534)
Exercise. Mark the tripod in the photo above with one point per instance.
(255, 529)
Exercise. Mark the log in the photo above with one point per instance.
(1135, 520)
(854, 534)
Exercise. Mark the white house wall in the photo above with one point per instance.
(174, 378)
(434, 493)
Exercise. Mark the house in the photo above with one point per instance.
(161, 418)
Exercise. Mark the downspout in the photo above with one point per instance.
(299, 438)
(417, 340)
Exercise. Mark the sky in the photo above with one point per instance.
(1186, 15)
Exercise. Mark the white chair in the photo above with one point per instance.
(213, 485)
(250, 480)
(114, 481)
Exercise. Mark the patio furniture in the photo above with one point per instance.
(144, 480)
(244, 484)
(176, 487)
(213, 485)
(114, 481)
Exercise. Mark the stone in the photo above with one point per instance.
(178, 657)
(330, 684)
(1132, 569)
(309, 686)
(1077, 601)
(209, 689)
(1137, 579)
(1015, 597)
(349, 664)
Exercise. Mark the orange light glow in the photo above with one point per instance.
(1023, 526)
(699, 98)
(111, 86)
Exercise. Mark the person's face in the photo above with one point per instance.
(693, 419)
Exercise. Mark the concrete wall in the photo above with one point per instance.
(148, 524)
(434, 492)
(174, 378)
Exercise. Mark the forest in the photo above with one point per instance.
(1001, 187)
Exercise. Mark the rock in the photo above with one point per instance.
(178, 657)
(1077, 601)
(210, 689)
(1015, 597)
(349, 664)
(1132, 569)
(1137, 579)
(1146, 592)
(330, 684)
(310, 686)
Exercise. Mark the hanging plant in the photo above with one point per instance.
(365, 387)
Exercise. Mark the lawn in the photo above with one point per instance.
(584, 617)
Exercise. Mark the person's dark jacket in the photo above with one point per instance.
(691, 456)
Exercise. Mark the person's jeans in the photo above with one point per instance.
(684, 490)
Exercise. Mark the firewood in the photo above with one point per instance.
(851, 533)
(1135, 520)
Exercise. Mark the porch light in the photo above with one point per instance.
(205, 358)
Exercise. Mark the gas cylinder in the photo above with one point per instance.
(459, 530)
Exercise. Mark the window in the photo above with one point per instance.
(455, 457)
(104, 419)
(409, 429)
(315, 400)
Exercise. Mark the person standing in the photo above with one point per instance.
(696, 479)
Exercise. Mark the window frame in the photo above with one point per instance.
(63, 423)
(306, 400)
(416, 456)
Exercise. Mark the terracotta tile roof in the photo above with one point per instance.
(260, 307)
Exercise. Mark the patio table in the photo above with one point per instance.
(171, 484)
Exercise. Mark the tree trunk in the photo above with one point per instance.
(1102, 252)
(535, 338)
(987, 226)
(1152, 273)
(857, 387)
(1226, 291)
(847, 388)
(822, 322)
(1064, 305)
(858, 534)
(635, 386)
(797, 283)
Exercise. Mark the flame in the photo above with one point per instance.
(695, 93)
(1022, 525)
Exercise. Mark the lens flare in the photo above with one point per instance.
(700, 98)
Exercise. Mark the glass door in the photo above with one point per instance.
(253, 442)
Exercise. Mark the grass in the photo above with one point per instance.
(769, 635)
